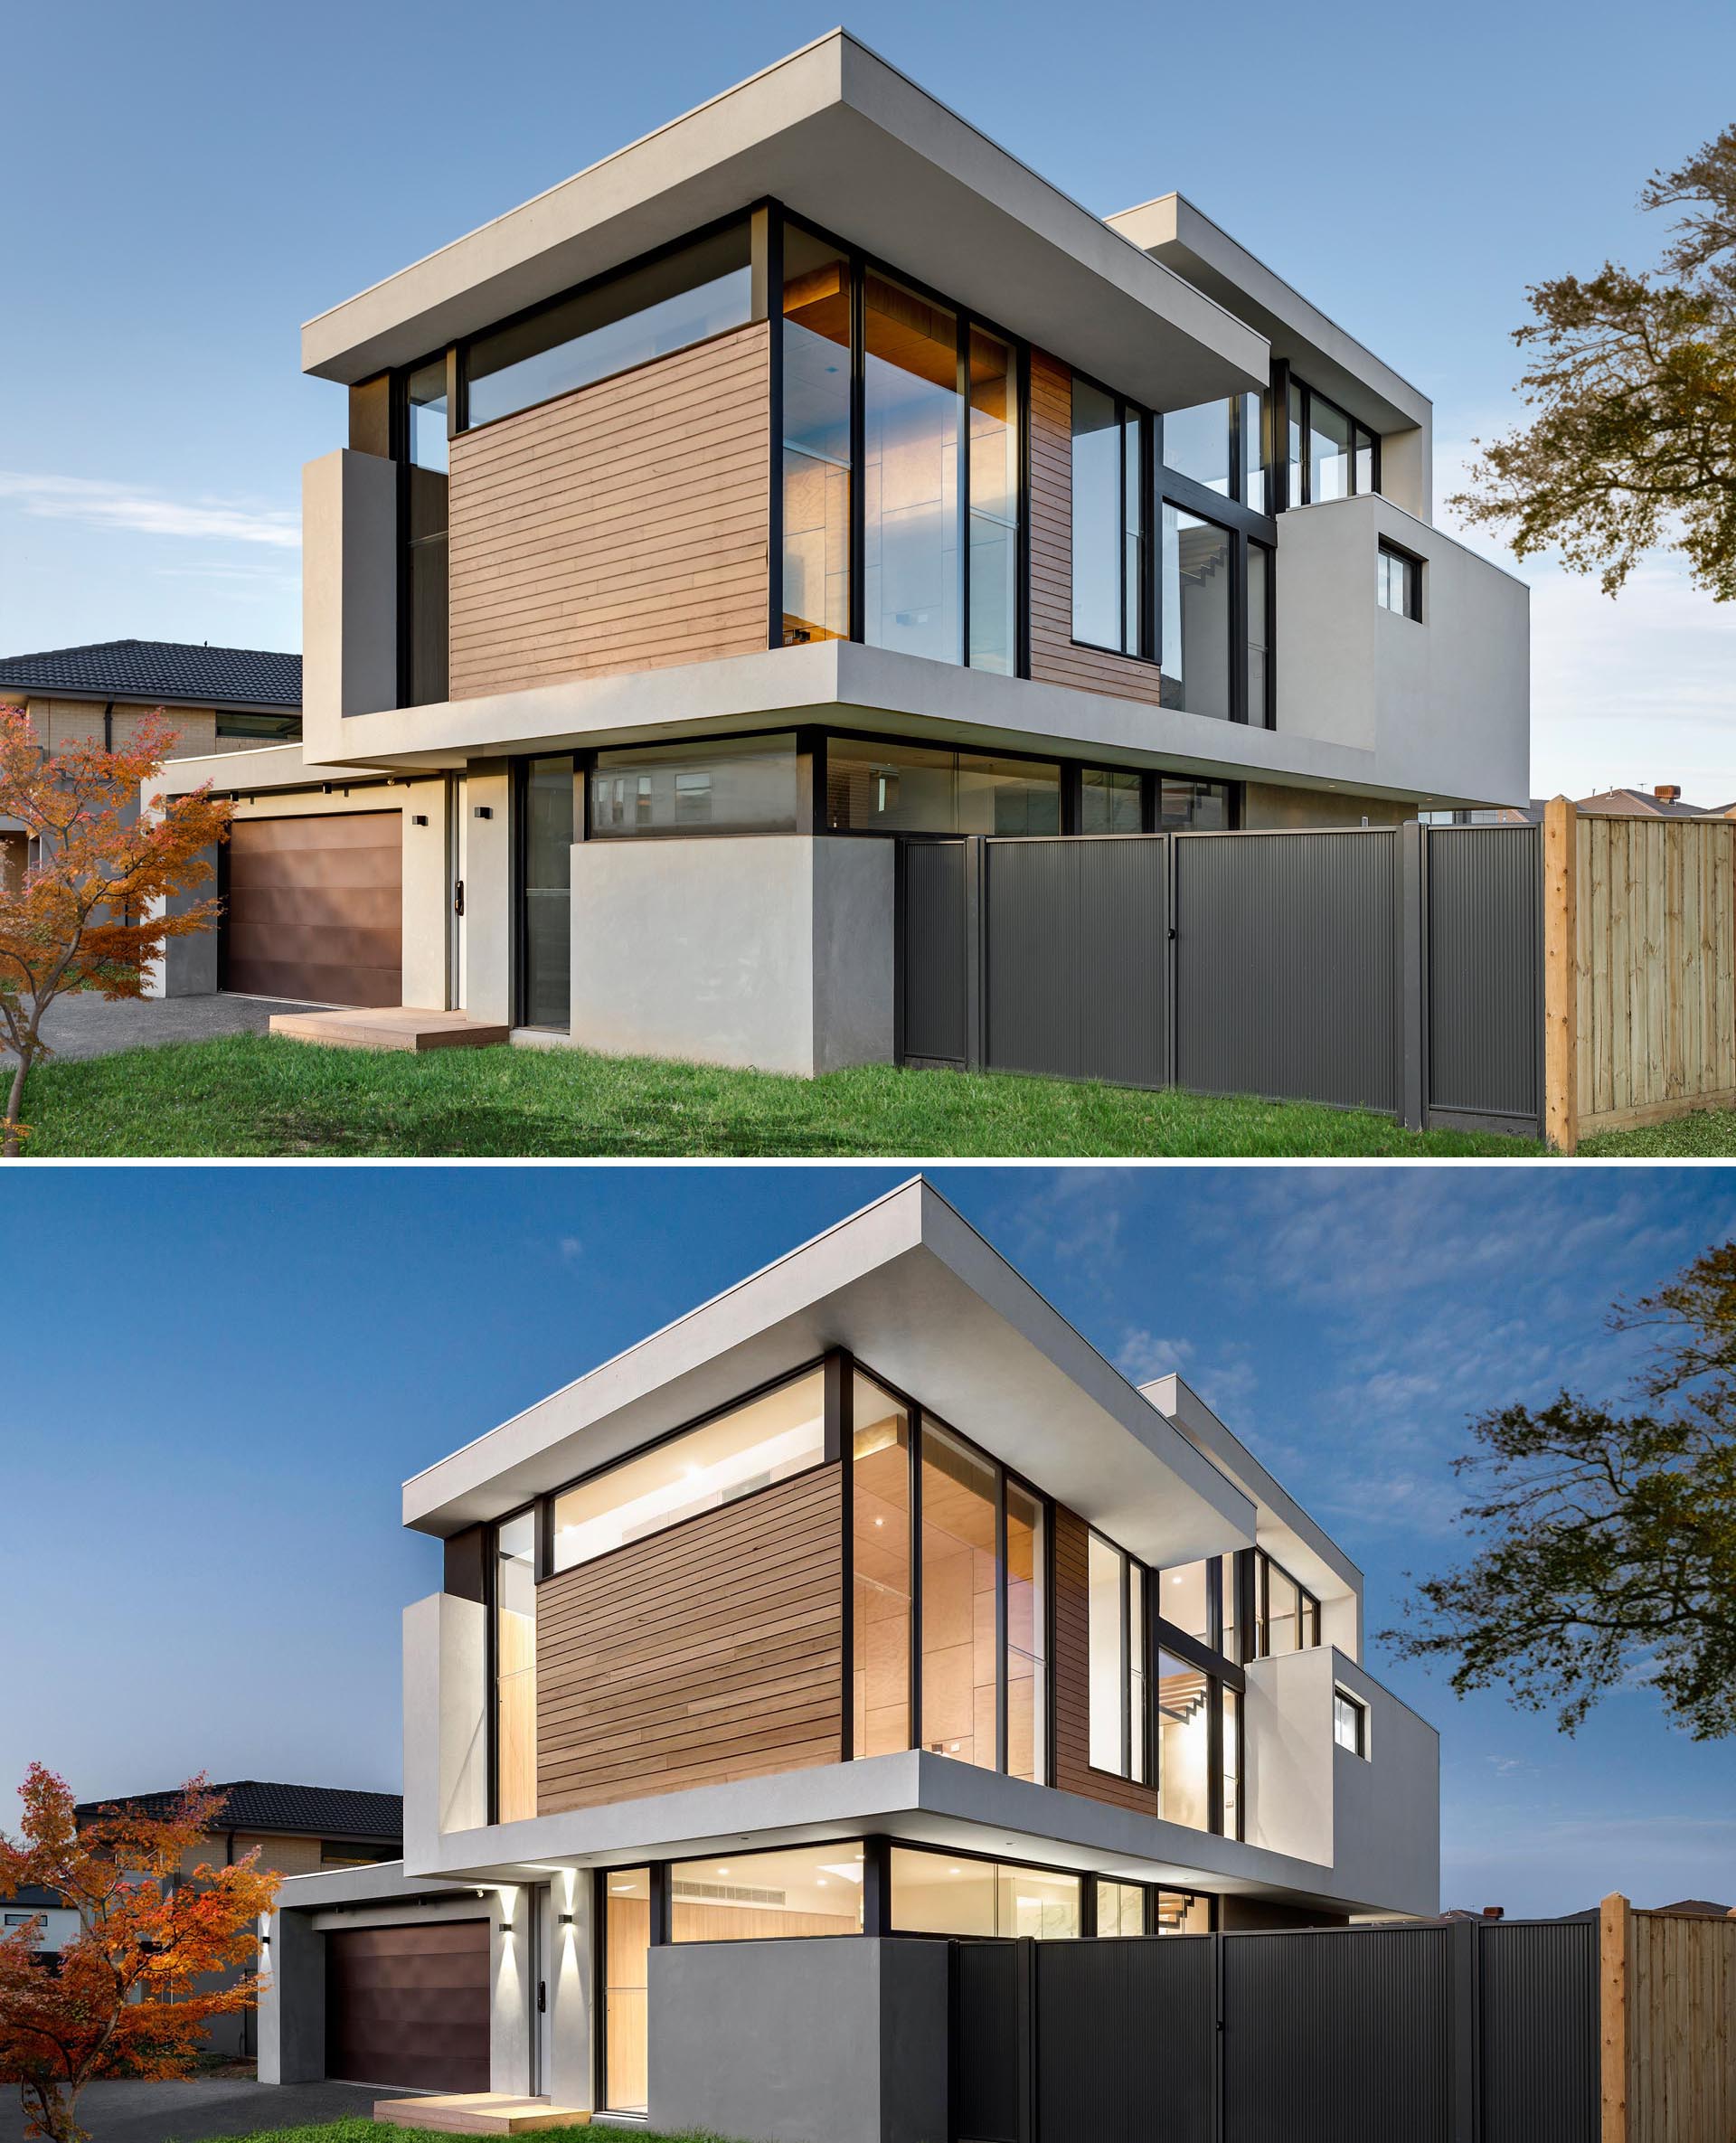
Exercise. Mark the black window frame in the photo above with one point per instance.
(491, 1637)
(398, 381)
(1279, 470)
(1354, 1705)
(1308, 1606)
(1413, 605)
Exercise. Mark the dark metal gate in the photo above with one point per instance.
(1485, 966)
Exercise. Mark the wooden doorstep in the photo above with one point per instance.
(479, 2114)
(388, 1027)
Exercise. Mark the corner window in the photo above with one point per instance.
(811, 1890)
(769, 1440)
(939, 1893)
(1286, 1614)
(1331, 456)
(1221, 445)
(1349, 1723)
(1116, 1635)
(886, 788)
(818, 468)
(732, 785)
(1398, 582)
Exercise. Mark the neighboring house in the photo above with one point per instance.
(811, 471)
(1665, 801)
(867, 1599)
(220, 700)
(29, 1905)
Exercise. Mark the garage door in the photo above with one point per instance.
(409, 2006)
(315, 907)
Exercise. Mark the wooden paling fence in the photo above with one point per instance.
(1639, 964)
(1667, 2005)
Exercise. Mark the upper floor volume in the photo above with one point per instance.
(822, 400)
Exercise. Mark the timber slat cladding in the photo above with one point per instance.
(620, 527)
(1074, 1771)
(1054, 659)
(709, 1652)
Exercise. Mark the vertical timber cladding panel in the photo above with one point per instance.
(1074, 1771)
(1338, 2038)
(1054, 657)
(1127, 2039)
(987, 2048)
(1077, 958)
(1484, 986)
(933, 966)
(623, 526)
(709, 1652)
(1538, 2030)
(1286, 958)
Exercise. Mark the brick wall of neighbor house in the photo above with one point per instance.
(66, 723)
(621, 527)
(1074, 1771)
(1054, 659)
(709, 1652)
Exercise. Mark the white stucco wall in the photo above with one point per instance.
(446, 1786)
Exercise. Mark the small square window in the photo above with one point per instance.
(1349, 1723)
(1398, 582)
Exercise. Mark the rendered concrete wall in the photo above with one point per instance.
(349, 595)
(570, 1977)
(511, 1963)
(488, 891)
(1444, 703)
(816, 2041)
(446, 1786)
(773, 952)
(292, 2003)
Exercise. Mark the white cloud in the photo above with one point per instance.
(1143, 1356)
(123, 506)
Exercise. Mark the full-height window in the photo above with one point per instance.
(423, 507)
(515, 1644)
(1198, 581)
(1258, 610)
(1026, 1635)
(1109, 521)
(626, 1944)
(912, 557)
(1331, 456)
(770, 1438)
(994, 532)
(961, 1575)
(881, 1609)
(816, 439)
(1185, 1701)
(548, 836)
(1116, 1631)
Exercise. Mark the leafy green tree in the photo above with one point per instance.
(1608, 1540)
(1633, 377)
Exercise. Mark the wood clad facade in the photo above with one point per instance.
(1054, 659)
(709, 1652)
(1074, 1771)
(624, 526)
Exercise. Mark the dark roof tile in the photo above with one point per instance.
(167, 670)
(253, 1804)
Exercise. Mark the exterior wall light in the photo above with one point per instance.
(564, 1919)
(483, 811)
(506, 1927)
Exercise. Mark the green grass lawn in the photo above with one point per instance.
(1708, 1135)
(263, 1095)
(357, 2129)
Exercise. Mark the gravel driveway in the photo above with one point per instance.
(84, 1026)
(130, 2112)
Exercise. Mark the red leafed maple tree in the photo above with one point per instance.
(91, 912)
(127, 1999)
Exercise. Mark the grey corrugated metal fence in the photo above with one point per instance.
(1469, 2032)
(1394, 968)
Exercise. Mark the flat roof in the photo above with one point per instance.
(916, 1293)
(844, 140)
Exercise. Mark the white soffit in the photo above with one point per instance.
(844, 139)
(1174, 232)
(912, 1289)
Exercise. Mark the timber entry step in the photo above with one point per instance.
(389, 1026)
(478, 2113)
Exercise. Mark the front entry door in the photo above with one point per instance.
(457, 858)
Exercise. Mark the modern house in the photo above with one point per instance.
(869, 1576)
(218, 699)
(811, 472)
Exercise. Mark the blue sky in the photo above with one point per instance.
(195, 179)
(202, 1459)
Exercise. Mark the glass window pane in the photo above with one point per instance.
(626, 1925)
(1310, 1622)
(1135, 1672)
(731, 785)
(1227, 1594)
(1183, 1736)
(1192, 806)
(1107, 1694)
(1027, 1621)
(768, 1439)
(809, 1890)
(515, 1669)
(1231, 1763)
(1197, 569)
(883, 788)
(993, 504)
(1298, 466)
(960, 1581)
(935, 1894)
(817, 440)
(881, 1502)
(1097, 517)
(1109, 801)
(548, 899)
(1196, 443)
(1282, 1601)
(1181, 1913)
(1328, 451)
(1259, 645)
(1133, 534)
(912, 563)
(1254, 452)
(1032, 1902)
(425, 627)
(1120, 1908)
(1181, 1600)
(1349, 1723)
(425, 394)
(645, 313)
(1364, 460)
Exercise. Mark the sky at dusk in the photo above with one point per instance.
(201, 1458)
(236, 170)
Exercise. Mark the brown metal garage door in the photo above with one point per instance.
(315, 907)
(409, 2006)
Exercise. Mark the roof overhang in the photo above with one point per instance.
(1174, 232)
(916, 1293)
(846, 140)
